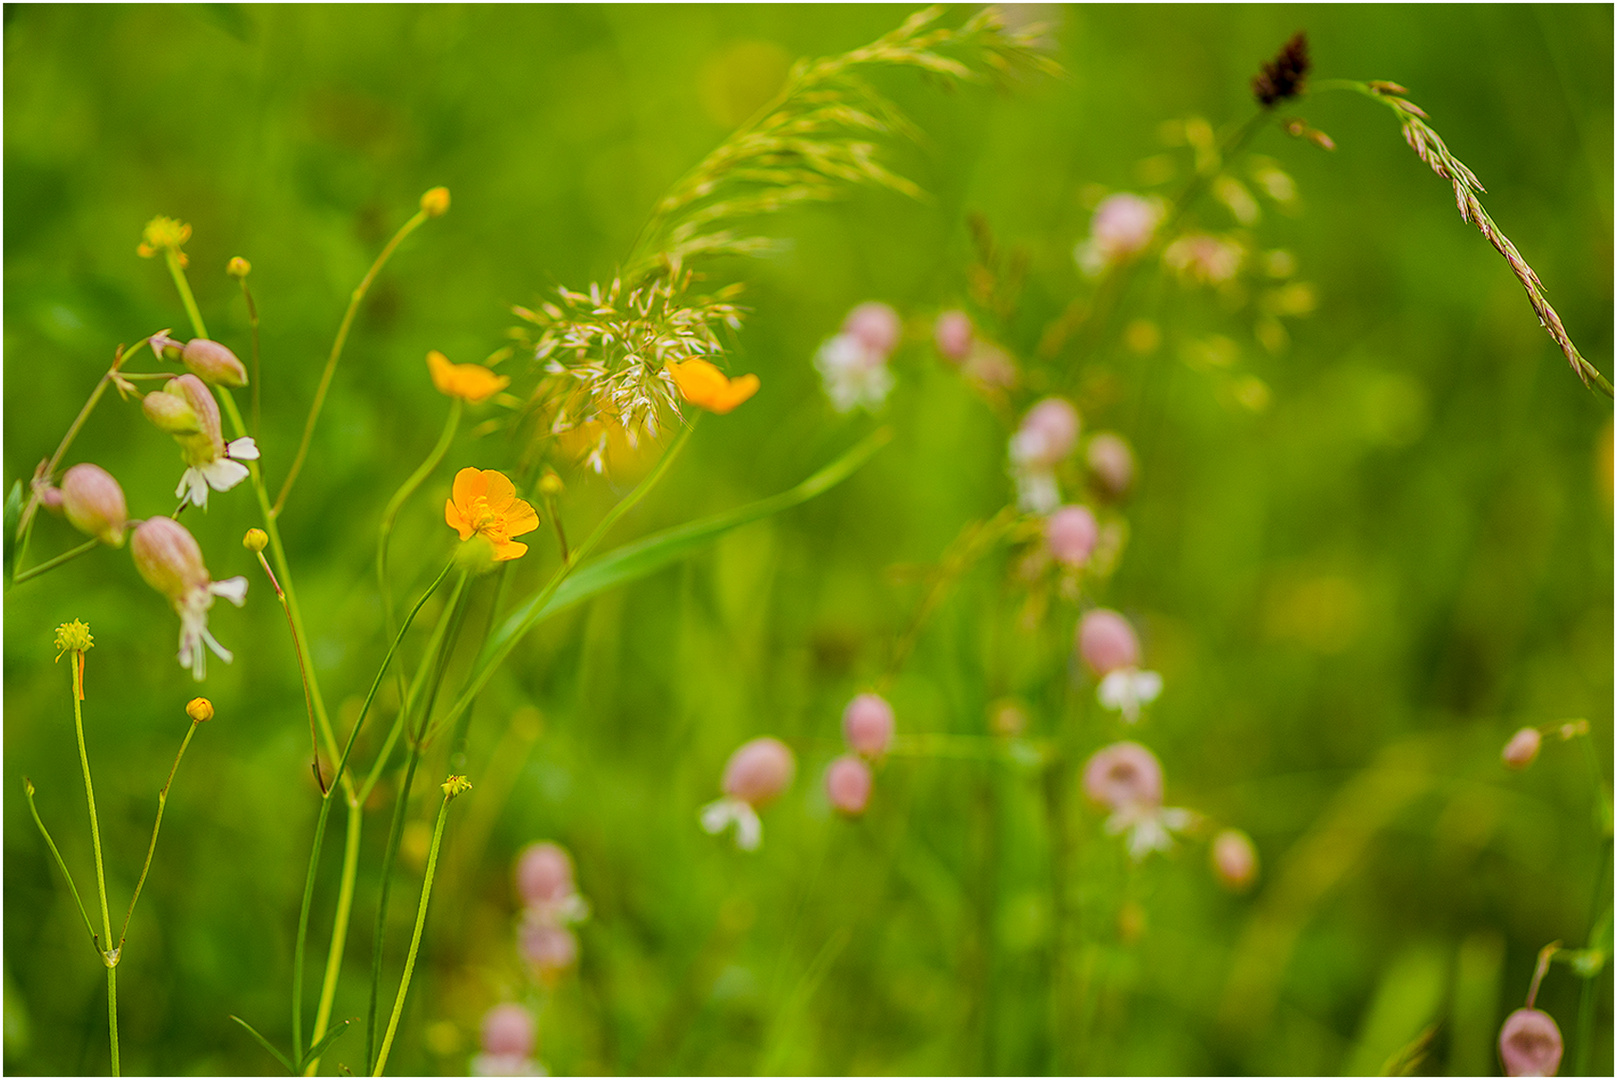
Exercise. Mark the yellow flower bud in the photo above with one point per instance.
(255, 540)
(238, 267)
(456, 785)
(435, 203)
(73, 637)
(550, 485)
(199, 709)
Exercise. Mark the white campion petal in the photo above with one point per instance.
(232, 589)
(193, 487)
(1036, 491)
(1128, 689)
(242, 449)
(722, 813)
(222, 474)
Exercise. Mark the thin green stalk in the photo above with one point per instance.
(252, 321)
(487, 666)
(28, 788)
(415, 939)
(109, 958)
(303, 671)
(339, 930)
(336, 354)
(176, 270)
(438, 660)
(325, 813)
(52, 564)
(162, 803)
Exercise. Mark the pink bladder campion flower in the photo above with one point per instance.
(213, 362)
(1234, 859)
(1530, 1044)
(549, 949)
(544, 873)
(847, 785)
(1071, 533)
(185, 408)
(168, 557)
(867, 724)
(876, 326)
(755, 776)
(1111, 464)
(1126, 779)
(1107, 642)
(94, 503)
(509, 1038)
(1122, 227)
(1048, 433)
(953, 335)
(1522, 749)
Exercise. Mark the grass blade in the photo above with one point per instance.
(266, 1044)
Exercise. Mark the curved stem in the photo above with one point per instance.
(28, 788)
(162, 802)
(52, 564)
(336, 354)
(415, 939)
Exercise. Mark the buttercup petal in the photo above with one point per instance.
(521, 518)
(511, 549)
(456, 520)
(469, 484)
(500, 491)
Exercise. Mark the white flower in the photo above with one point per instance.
(1036, 490)
(506, 1065)
(220, 474)
(855, 374)
(1149, 826)
(722, 813)
(1127, 689)
(193, 610)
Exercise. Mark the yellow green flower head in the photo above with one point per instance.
(73, 637)
(163, 234)
(199, 709)
(255, 540)
(238, 267)
(436, 202)
(456, 785)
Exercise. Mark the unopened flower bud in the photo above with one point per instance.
(255, 540)
(1071, 533)
(1235, 859)
(847, 785)
(94, 503)
(455, 785)
(50, 496)
(170, 412)
(759, 771)
(550, 485)
(199, 709)
(165, 347)
(952, 334)
(867, 724)
(435, 203)
(1106, 642)
(1111, 464)
(167, 556)
(544, 874)
(551, 949)
(1530, 1044)
(213, 363)
(195, 393)
(1522, 748)
(238, 267)
(1123, 775)
(876, 326)
(508, 1031)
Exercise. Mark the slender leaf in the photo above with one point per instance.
(12, 519)
(320, 1047)
(266, 1044)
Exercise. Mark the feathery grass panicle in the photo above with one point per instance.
(817, 135)
(1430, 147)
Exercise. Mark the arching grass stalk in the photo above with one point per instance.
(428, 209)
(436, 660)
(325, 811)
(454, 786)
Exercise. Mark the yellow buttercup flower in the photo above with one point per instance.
(703, 384)
(484, 502)
(469, 382)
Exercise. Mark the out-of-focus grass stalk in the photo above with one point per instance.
(339, 929)
(1588, 993)
(52, 564)
(435, 662)
(325, 812)
(162, 803)
(252, 322)
(109, 957)
(336, 353)
(420, 924)
(303, 671)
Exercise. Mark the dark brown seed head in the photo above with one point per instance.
(1282, 77)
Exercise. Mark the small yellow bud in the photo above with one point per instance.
(28, 786)
(73, 637)
(199, 709)
(238, 267)
(435, 203)
(456, 785)
(162, 233)
(550, 485)
(255, 540)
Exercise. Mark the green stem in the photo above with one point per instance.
(162, 803)
(325, 813)
(171, 256)
(28, 787)
(339, 931)
(436, 661)
(252, 321)
(336, 354)
(52, 564)
(109, 958)
(415, 939)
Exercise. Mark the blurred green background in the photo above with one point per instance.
(1355, 595)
